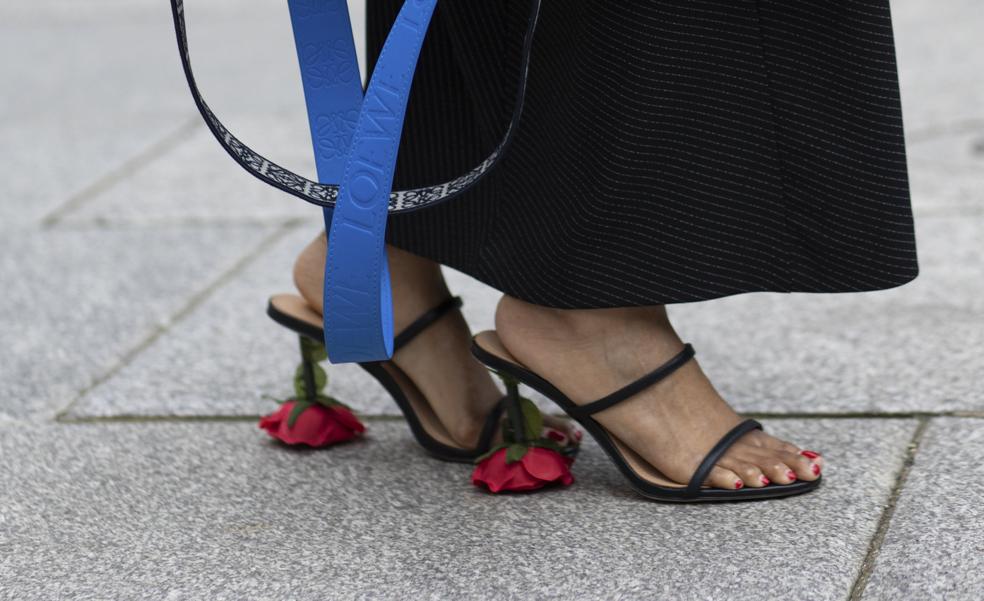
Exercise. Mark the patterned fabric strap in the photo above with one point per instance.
(325, 193)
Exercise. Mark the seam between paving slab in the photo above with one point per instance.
(63, 418)
(193, 303)
(123, 171)
(104, 223)
(885, 521)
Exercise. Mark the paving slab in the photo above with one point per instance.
(228, 358)
(934, 548)
(946, 173)
(938, 50)
(256, 91)
(74, 301)
(95, 95)
(214, 510)
(111, 91)
(199, 182)
(914, 348)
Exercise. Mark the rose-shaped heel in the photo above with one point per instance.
(294, 313)
(525, 460)
(312, 418)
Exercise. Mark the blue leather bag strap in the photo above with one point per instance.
(331, 80)
(358, 311)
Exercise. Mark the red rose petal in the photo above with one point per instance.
(491, 471)
(316, 426)
(536, 469)
(520, 480)
(547, 465)
(347, 418)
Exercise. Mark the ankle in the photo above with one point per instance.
(417, 283)
(309, 271)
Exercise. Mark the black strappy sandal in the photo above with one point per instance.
(643, 476)
(294, 313)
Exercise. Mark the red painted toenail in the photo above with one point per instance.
(816, 469)
(791, 475)
(739, 484)
(765, 481)
(810, 454)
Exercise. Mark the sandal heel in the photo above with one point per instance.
(516, 426)
(294, 313)
(309, 377)
(525, 460)
(311, 417)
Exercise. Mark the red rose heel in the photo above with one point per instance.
(312, 418)
(526, 459)
(294, 313)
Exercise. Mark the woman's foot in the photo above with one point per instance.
(460, 390)
(587, 354)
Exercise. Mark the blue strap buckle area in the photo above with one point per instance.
(356, 139)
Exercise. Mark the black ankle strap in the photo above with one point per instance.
(705, 467)
(418, 326)
(638, 386)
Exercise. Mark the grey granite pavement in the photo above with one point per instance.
(946, 172)
(75, 303)
(135, 263)
(111, 75)
(935, 546)
(939, 53)
(215, 511)
(214, 188)
(914, 348)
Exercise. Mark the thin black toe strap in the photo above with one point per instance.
(636, 387)
(722, 446)
(424, 321)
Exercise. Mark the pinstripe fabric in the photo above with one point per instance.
(670, 151)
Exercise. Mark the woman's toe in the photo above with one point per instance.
(724, 478)
(813, 456)
(566, 428)
(776, 470)
(763, 440)
(788, 447)
(749, 473)
(805, 468)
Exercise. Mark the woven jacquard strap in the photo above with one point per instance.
(324, 193)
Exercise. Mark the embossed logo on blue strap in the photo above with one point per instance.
(358, 315)
(330, 75)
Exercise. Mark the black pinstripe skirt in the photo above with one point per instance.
(669, 150)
